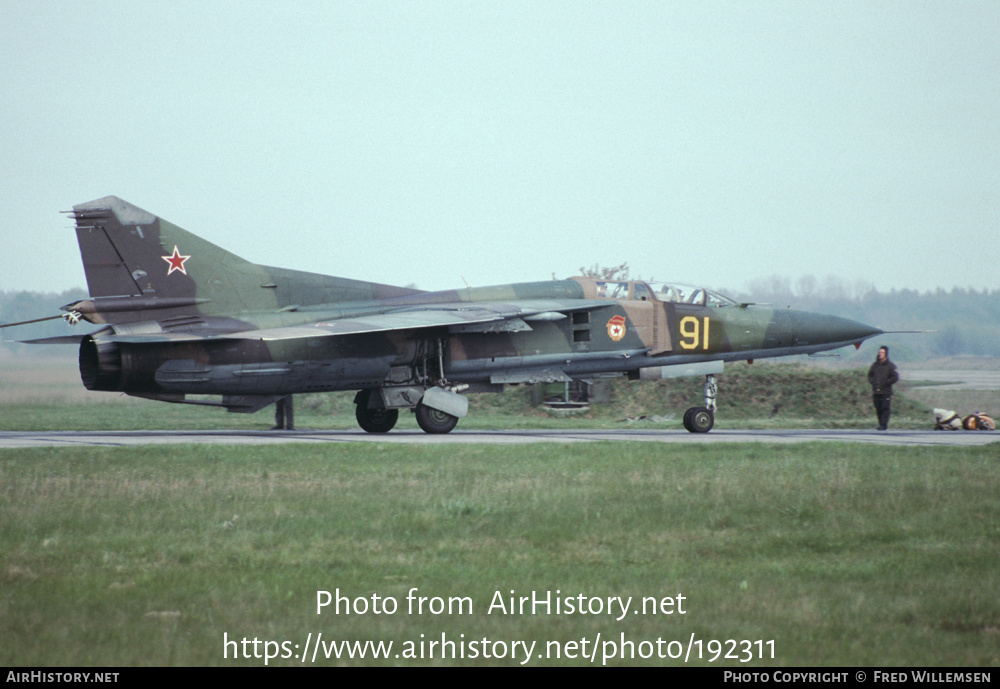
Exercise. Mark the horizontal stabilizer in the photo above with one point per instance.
(58, 340)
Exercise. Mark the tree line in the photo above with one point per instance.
(967, 321)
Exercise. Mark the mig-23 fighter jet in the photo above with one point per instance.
(180, 316)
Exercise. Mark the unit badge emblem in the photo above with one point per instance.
(616, 328)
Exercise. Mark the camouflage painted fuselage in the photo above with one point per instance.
(182, 316)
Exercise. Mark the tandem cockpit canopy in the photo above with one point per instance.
(653, 290)
(686, 294)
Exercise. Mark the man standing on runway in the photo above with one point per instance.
(882, 375)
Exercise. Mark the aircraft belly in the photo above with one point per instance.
(547, 367)
(259, 368)
(187, 376)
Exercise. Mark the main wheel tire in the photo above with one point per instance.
(434, 420)
(687, 418)
(374, 420)
(699, 420)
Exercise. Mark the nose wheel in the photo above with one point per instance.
(701, 419)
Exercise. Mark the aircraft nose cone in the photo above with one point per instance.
(818, 329)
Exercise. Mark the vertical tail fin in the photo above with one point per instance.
(129, 252)
(136, 263)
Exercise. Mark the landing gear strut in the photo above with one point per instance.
(701, 419)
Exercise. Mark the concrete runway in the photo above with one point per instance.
(954, 380)
(12, 439)
(962, 379)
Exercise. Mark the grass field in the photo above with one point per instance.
(839, 555)
(815, 554)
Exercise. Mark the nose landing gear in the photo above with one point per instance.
(702, 419)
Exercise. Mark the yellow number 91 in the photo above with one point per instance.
(692, 332)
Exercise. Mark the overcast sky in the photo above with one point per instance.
(439, 144)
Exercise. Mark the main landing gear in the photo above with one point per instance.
(434, 420)
(701, 419)
(374, 420)
(437, 409)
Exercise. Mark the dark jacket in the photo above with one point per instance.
(882, 375)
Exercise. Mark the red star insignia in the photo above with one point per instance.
(176, 261)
